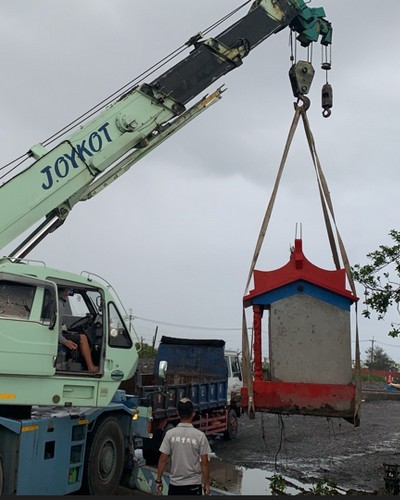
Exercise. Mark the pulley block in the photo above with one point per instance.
(301, 75)
(326, 99)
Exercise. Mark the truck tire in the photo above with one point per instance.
(104, 458)
(151, 446)
(231, 425)
(167, 428)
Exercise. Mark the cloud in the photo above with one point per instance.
(176, 234)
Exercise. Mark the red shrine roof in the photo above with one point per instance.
(299, 268)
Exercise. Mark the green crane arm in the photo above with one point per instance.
(104, 148)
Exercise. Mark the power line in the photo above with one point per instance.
(389, 345)
(189, 326)
(377, 342)
(216, 328)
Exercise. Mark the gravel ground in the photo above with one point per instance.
(312, 449)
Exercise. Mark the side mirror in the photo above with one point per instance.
(238, 375)
(162, 369)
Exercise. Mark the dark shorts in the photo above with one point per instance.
(192, 489)
(75, 337)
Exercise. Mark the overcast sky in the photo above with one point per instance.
(176, 234)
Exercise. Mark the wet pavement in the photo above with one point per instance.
(311, 450)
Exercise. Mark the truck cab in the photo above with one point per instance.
(37, 368)
(235, 378)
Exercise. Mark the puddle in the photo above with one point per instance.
(240, 480)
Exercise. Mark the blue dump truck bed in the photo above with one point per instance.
(191, 360)
(195, 369)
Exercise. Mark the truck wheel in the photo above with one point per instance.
(167, 428)
(151, 446)
(104, 460)
(231, 425)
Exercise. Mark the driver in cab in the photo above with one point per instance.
(74, 341)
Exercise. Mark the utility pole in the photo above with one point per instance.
(154, 340)
(372, 357)
(372, 350)
(130, 319)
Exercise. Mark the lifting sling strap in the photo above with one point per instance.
(328, 212)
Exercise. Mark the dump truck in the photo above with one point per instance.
(198, 369)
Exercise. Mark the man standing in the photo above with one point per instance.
(188, 449)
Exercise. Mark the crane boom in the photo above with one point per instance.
(105, 147)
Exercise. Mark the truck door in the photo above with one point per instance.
(121, 357)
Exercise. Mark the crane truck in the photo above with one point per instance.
(62, 428)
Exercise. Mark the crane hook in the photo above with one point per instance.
(306, 101)
(326, 99)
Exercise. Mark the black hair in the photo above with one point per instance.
(185, 408)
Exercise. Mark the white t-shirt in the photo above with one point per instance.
(185, 444)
